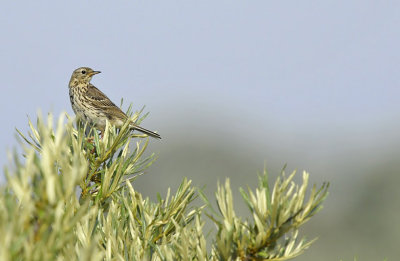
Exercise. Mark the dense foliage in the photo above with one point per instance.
(72, 197)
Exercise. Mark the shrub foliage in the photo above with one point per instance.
(72, 197)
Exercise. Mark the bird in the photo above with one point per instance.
(93, 106)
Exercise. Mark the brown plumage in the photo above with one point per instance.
(92, 105)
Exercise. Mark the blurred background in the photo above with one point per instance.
(233, 86)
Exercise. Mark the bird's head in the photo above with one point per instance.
(82, 75)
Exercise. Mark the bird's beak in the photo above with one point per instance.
(94, 72)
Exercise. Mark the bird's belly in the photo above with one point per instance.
(89, 114)
(97, 118)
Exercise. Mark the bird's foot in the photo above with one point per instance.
(91, 141)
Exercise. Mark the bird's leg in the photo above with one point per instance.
(91, 140)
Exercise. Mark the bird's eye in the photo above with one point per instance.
(83, 71)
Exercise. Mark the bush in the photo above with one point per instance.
(72, 198)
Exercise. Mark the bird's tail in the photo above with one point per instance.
(145, 131)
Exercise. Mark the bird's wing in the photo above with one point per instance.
(99, 99)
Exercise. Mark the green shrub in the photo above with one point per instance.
(72, 198)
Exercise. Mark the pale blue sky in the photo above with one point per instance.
(304, 80)
(327, 68)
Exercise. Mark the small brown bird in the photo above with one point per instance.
(93, 106)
